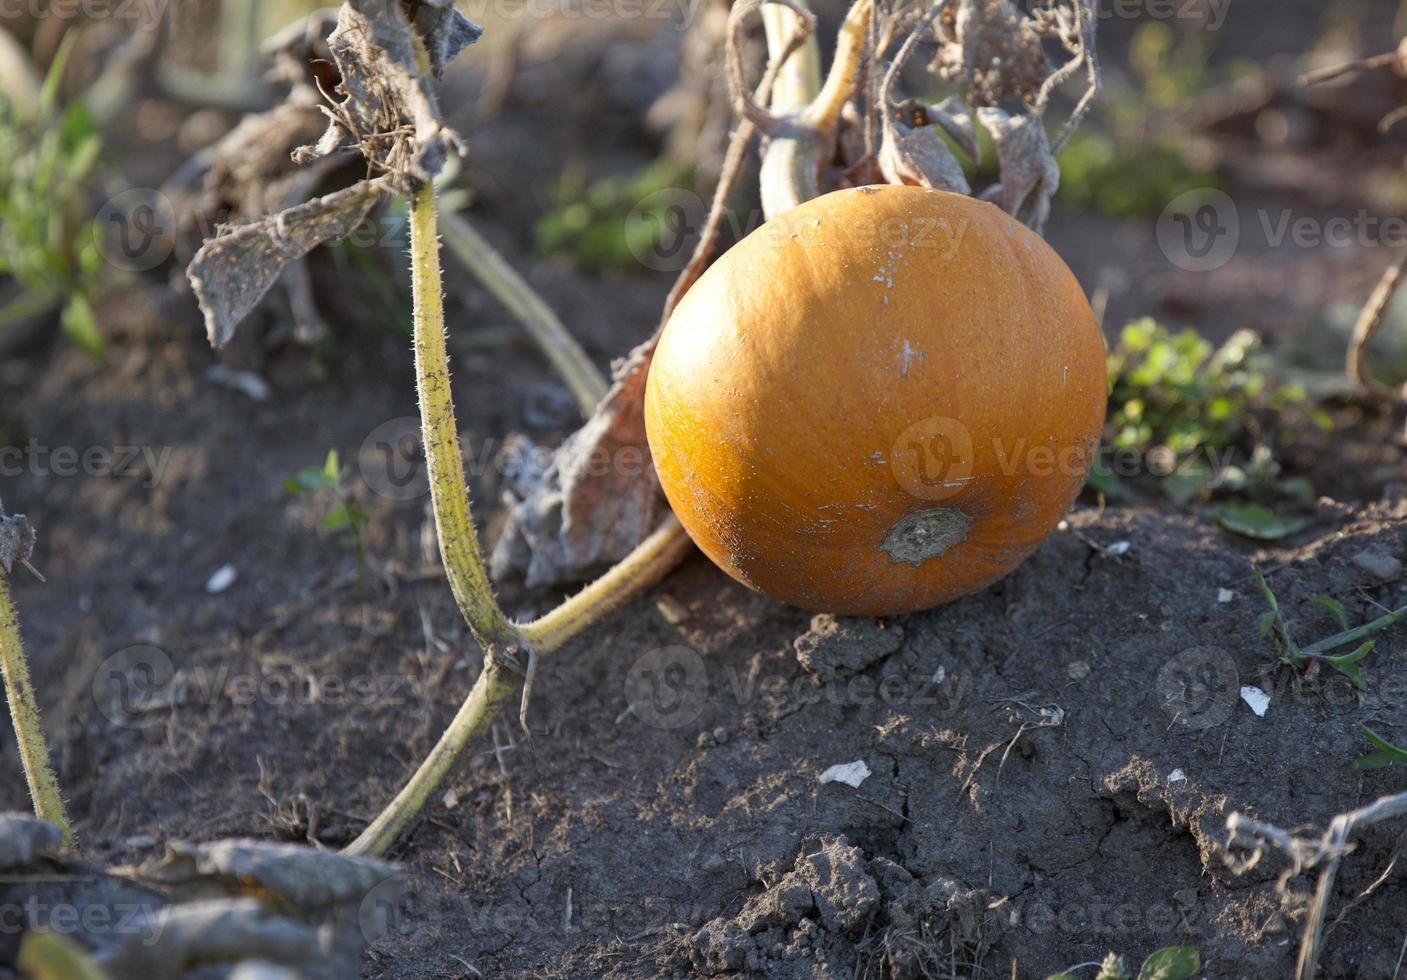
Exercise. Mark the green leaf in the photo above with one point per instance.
(1256, 522)
(1334, 606)
(1171, 963)
(1358, 633)
(1297, 488)
(49, 94)
(1266, 623)
(80, 326)
(331, 469)
(50, 956)
(1347, 664)
(1103, 480)
(1387, 754)
(1273, 602)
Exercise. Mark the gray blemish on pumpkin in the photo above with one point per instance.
(923, 534)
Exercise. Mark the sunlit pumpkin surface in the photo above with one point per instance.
(882, 400)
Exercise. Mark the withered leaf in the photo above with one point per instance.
(443, 29)
(24, 837)
(167, 942)
(390, 112)
(996, 50)
(298, 875)
(597, 500)
(1029, 173)
(912, 152)
(231, 273)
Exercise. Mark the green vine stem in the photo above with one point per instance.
(492, 692)
(459, 546)
(498, 686)
(581, 376)
(643, 567)
(449, 494)
(24, 711)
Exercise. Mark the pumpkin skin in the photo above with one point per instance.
(877, 402)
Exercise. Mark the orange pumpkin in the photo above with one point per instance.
(877, 402)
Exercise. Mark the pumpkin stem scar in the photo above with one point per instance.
(923, 534)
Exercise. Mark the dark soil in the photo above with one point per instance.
(1052, 760)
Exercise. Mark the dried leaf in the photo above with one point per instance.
(24, 837)
(300, 876)
(597, 500)
(912, 152)
(1029, 173)
(996, 50)
(232, 273)
(171, 940)
(390, 112)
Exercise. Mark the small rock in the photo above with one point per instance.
(1378, 564)
(1225, 595)
(1078, 670)
(852, 774)
(1258, 700)
(673, 611)
(838, 647)
(223, 578)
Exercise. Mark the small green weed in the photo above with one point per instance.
(1187, 406)
(1128, 171)
(1272, 623)
(47, 241)
(1387, 754)
(591, 224)
(343, 518)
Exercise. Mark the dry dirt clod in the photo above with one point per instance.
(842, 646)
(23, 838)
(1377, 564)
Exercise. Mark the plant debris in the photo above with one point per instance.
(389, 113)
(16, 540)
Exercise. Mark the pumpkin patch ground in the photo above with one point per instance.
(240, 638)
